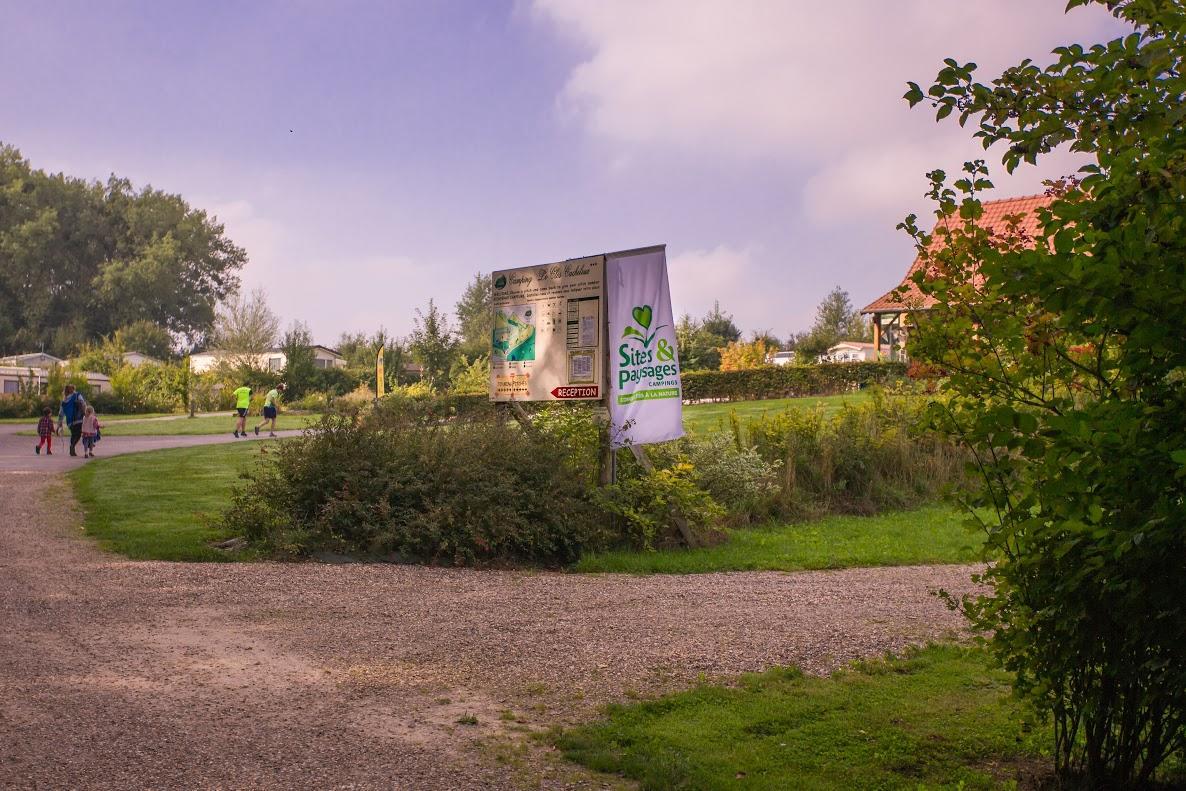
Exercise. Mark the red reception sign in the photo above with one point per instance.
(591, 391)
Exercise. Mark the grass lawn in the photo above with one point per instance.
(937, 718)
(150, 506)
(702, 418)
(934, 534)
(196, 425)
(106, 418)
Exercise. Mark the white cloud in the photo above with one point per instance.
(889, 181)
(725, 274)
(260, 236)
(811, 87)
(755, 77)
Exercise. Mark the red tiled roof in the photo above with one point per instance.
(993, 219)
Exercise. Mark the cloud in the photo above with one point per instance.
(812, 88)
(890, 180)
(261, 237)
(725, 274)
(754, 77)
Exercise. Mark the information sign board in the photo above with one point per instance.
(547, 341)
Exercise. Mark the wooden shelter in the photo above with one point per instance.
(893, 310)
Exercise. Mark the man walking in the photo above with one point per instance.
(242, 404)
(271, 408)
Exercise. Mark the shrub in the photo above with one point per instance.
(787, 381)
(400, 483)
(27, 401)
(313, 402)
(867, 458)
(734, 474)
(148, 388)
(649, 503)
(1065, 348)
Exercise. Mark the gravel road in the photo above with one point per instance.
(119, 674)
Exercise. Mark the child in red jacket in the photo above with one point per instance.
(45, 433)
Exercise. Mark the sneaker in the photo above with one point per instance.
(49, 453)
(257, 431)
(236, 433)
(37, 449)
(271, 433)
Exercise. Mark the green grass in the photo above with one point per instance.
(106, 418)
(937, 718)
(934, 534)
(186, 426)
(702, 418)
(150, 506)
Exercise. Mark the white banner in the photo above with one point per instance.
(646, 404)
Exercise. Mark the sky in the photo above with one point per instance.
(371, 156)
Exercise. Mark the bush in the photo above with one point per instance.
(875, 456)
(735, 475)
(147, 388)
(313, 402)
(650, 502)
(398, 482)
(787, 381)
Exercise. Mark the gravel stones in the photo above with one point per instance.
(118, 674)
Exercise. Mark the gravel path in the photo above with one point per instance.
(119, 674)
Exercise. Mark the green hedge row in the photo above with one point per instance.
(787, 381)
(771, 381)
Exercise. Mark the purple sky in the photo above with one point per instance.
(764, 142)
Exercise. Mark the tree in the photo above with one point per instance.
(700, 341)
(1065, 352)
(835, 320)
(767, 337)
(300, 370)
(720, 325)
(738, 356)
(470, 378)
(246, 327)
(475, 317)
(147, 338)
(433, 344)
(80, 259)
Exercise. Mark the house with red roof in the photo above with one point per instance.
(892, 313)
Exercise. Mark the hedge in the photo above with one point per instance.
(787, 381)
(771, 381)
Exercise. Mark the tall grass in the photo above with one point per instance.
(869, 457)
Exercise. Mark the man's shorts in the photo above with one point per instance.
(242, 411)
(269, 413)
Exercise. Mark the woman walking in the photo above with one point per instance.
(71, 413)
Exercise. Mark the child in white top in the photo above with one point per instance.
(90, 430)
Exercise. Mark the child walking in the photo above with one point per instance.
(45, 432)
(90, 430)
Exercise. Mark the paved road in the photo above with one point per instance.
(16, 453)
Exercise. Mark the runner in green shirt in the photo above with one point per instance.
(242, 404)
(271, 409)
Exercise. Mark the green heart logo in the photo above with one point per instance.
(643, 316)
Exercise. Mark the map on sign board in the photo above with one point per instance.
(546, 344)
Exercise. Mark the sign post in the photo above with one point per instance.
(549, 335)
(591, 329)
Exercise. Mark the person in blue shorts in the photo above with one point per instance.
(271, 409)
